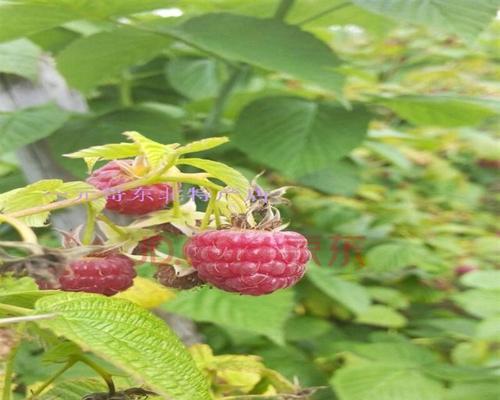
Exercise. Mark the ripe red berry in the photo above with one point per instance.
(248, 261)
(140, 200)
(106, 275)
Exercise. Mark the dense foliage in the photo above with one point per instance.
(381, 115)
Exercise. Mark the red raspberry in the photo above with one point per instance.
(248, 262)
(464, 269)
(106, 275)
(140, 200)
(148, 246)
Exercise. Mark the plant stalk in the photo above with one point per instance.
(283, 9)
(9, 367)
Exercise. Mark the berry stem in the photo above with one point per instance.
(101, 371)
(67, 366)
(112, 225)
(213, 195)
(88, 233)
(208, 213)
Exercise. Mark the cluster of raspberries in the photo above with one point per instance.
(245, 261)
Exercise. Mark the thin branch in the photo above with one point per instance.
(324, 12)
(29, 318)
(283, 9)
(67, 366)
(213, 119)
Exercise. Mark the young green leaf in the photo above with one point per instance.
(37, 194)
(230, 176)
(202, 145)
(154, 152)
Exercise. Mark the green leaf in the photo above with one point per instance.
(348, 15)
(37, 194)
(476, 390)
(130, 338)
(466, 18)
(350, 294)
(202, 145)
(230, 176)
(482, 279)
(447, 111)
(489, 329)
(298, 136)
(304, 327)
(479, 302)
(26, 126)
(379, 315)
(459, 373)
(20, 18)
(20, 57)
(389, 153)
(196, 78)
(392, 256)
(235, 36)
(384, 382)
(391, 297)
(21, 292)
(107, 152)
(341, 178)
(265, 315)
(154, 152)
(404, 354)
(95, 59)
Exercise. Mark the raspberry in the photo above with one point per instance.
(464, 269)
(138, 201)
(147, 246)
(248, 261)
(167, 277)
(106, 275)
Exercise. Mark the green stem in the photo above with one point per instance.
(283, 9)
(57, 205)
(213, 194)
(324, 12)
(9, 367)
(15, 309)
(67, 366)
(101, 371)
(126, 90)
(88, 233)
(208, 213)
(112, 225)
(213, 119)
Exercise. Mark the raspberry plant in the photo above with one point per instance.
(254, 262)
(382, 114)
